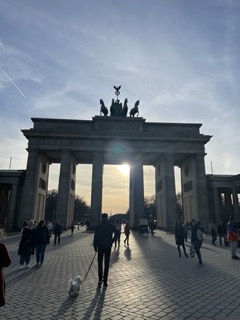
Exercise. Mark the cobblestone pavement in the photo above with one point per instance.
(147, 281)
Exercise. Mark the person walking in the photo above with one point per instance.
(196, 241)
(127, 233)
(233, 237)
(26, 245)
(104, 237)
(222, 232)
(213, 232)
(42, 239)
(186, 229)
(5, 261)
(179, 237)
(118, 227)
(57, 230)
(72, 227)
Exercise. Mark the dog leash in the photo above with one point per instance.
(85, 277)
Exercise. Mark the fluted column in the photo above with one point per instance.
(136, 191)
(66, 189)
(202, 196)
(170, 192)
(12, 207)
(29, 194)
(97, 185)
(236, 204)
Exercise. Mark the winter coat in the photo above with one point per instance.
(5, 261)
(27, 241)
(42, 235)
(103, 237)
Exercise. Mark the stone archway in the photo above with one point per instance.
(113, 140)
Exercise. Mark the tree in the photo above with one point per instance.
(51, 205)
(81, 209)
(150, 211)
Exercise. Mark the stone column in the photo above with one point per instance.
(12, 207)
(203, 208)
(136, 192)
(228, 203)
(236, 204)
(97, 185)
(170, 191)
(29, 194)
(217, 205)
(66, 189)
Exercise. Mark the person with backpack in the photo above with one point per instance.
(197, 240)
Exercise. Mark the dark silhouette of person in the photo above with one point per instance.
(57, 230)
(5, 261)
(179, 237)
(195, 241)
(104, 237)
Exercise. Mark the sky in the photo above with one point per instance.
(180, 58)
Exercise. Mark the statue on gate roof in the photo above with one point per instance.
(116, 108)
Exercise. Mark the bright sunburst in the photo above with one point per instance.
(124, 169)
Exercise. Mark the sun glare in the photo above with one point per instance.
(124, 169)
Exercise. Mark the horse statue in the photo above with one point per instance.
(125, 108)
(103, 109)
(135, 110)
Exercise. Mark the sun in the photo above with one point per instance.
(124, 169)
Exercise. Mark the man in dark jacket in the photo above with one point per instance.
(196, 241)
(103, 240)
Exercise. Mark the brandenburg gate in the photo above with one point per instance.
(116, 139)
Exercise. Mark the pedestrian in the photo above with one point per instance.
(26, 245)
(118, 227)
(221, 228)
(186, 229)
(103, 239)
(196, 240)
(5, 261)
(233, 237)
(50, 228)
(127, 233)
(57, 230)
(72, 227)
(42, 239)
(206, 229)
(179, 237)
(151, 226)
(213, 231)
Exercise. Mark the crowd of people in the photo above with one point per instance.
(227, 233)
(34, 240)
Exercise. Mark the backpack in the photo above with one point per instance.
(199, 235)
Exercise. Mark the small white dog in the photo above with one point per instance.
(74, 286)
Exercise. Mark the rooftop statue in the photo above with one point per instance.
(135, 109)
(117, 109)
(103, 109)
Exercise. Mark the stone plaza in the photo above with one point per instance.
(147, 281)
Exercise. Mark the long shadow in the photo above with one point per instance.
(127, 253)
(17, 275)
(161, 258)
(96, 305)
(66, 304)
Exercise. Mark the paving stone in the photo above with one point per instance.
(148, 282)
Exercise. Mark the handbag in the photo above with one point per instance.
(192, 251)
